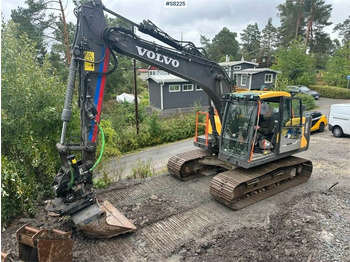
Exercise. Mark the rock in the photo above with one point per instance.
(183, 252)
(144, 222)
(142, 244)
(205, 245)
(198, 250)
(153, 197)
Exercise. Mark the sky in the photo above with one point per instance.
(200, 17)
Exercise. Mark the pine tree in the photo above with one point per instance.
(251, 41)
(269, 38)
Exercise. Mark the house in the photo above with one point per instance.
(172, 92)
(143, 74)
(256, 78)
(152, 70)
(234, 66)
(265, 61)
(246, 74)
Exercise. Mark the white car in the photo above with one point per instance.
(339, 120)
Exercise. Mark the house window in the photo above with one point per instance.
(187, 87)
(174, 88)
(268, 78)
(237, 68)
(243, 80)
(152, 73)
(235, 78)
(198, 88)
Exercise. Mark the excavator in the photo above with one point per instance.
(249, 139)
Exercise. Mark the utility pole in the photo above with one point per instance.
(135, 92)
(136, 100)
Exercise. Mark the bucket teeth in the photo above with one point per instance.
(102, 220)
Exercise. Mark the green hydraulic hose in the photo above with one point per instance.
(71, 176)
(96, 163)
(102, 147)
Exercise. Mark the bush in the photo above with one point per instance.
(16, 199)
(308, 101)
(31, 103)
(332, 91)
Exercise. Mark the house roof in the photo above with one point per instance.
(142, 70)
(233, 63)
(151, 67)
(161, 79)
(253, 71)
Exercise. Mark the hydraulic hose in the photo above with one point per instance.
(102, 147)
(71, 183)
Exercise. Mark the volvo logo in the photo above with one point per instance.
(157, 57)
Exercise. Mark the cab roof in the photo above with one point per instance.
(261, 94)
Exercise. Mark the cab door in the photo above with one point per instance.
(291, 124)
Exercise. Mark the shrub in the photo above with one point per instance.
(31, 103)
(332, 91)
(141, 170)
(103, 182)
(308, 101)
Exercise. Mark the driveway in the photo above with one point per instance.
(156, 158)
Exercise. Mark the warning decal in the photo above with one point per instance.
(89, 61)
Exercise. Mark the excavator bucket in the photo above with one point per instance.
(102, 220)
(44, 245)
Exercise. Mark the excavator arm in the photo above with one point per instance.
(93, 58)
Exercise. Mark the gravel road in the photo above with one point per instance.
(157, 157)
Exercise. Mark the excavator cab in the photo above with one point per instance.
(262, 126)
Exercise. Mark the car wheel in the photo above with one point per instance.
(337, 131)
(321, 128)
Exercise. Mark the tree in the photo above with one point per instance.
(303, 18)
(269, 38)
(251, 38)
(343, 30)
(31, 104)
(338, 66)
(295, 64)
(205, 43)
(43, 26)
(33, 21)
(322, 48)
(224, 43)
(292, 20)
(316, 13)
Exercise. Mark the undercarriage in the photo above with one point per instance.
(237, 187)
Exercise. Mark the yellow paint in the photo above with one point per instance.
(266, 94)
(217, 124)
(89, 64)
(304, 142)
